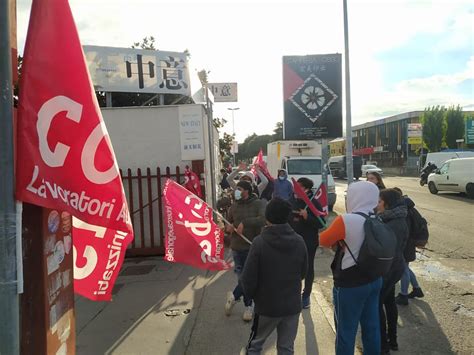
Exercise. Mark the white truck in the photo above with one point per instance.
(300, 158)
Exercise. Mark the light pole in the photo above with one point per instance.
(233, 132)
(349, 162)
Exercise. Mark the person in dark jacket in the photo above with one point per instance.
(306, 224)
(393, 211)
(282, 188)
(247, 216)
(409, 253)
(276, 264)
(224, 183)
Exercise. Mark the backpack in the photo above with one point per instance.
(378, 248)
(418, 227)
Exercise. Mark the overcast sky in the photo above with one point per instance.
(405, 54)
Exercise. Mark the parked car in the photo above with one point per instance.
(454, 175)
(370, 168)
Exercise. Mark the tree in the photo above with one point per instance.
(203, 75)
(454, 126)
(433, 127)
(147, 43)
(278, 131)
(225, 143)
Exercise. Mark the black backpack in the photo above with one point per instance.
(418, 228)
(378, 248)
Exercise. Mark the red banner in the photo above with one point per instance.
(191, 236)
(302, 195)
(192, 182)
(322, 197)
(65, 158)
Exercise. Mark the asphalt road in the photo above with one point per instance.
(443, 321)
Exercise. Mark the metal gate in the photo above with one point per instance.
(143, 190)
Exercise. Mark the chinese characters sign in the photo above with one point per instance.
(224, 92)
(191, 132)
(137, 70)
(312, 88)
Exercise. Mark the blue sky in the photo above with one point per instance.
(405, 54)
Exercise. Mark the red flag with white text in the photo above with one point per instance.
(192, 237)
(65, 157)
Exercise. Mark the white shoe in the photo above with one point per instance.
(248, 314)
(230, 303)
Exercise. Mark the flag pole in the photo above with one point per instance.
(226, 221)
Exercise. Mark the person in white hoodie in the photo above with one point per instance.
(355, 294)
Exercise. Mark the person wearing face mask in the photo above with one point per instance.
(306, 224)
(282, 187)
(247, 217)
(248, 176)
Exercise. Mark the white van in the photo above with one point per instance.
(454, 175)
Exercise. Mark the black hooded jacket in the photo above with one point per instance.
(273, 271)
(396, 218)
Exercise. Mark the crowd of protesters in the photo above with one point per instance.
(274, 237)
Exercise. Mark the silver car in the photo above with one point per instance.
(371, 168)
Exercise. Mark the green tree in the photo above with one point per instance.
(278, 131)
(433, 127)
(455, 126)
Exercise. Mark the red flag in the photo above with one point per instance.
(260, 162)
(67, 160)
(302, 195)
(192, 183)
(191, 235)
(322, 197)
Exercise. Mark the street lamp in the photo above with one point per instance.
(233, 131)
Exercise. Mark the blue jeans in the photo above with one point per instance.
(239, 261)
(354, 305)
(408, 278)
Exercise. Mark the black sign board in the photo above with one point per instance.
(312, 87)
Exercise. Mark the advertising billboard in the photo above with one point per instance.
(312, 89)
(137, 70)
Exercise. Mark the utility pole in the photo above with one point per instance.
(233, 132)
(349, 161)
(9, 299)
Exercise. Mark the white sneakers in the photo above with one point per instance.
(248, 314)
(230, 303)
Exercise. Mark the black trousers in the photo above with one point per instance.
(388, 308)
(311, 247)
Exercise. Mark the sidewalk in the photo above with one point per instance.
(164, 308)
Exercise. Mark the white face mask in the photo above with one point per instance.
(281, 178)
(238, 194)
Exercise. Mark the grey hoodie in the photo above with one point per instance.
(273, 271)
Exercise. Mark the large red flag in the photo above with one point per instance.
(191, 236)
(302, 195)
(65, 158)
